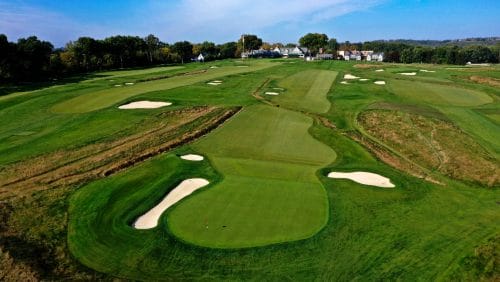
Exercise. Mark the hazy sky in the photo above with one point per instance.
(225, 20)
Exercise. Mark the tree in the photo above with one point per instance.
(251, 42)
(266, 46)
(333, 46)
(314, 41)
(184, 50)
(33, 58)
(153, 46)
(228, 50)
(407, 56)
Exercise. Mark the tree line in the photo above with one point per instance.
(31, 59)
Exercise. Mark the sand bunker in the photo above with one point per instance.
(408, 73)
(129, 83)
(365, 178)
(278, 88)
(192, 157)
(185, 188)
(379, 70)
(144, 105)
(363, 79)
(118, 85)
(344, 82)
(217, 81)
(214, 83)
(350, 76)
(214, 67)
(272, 93)
(380, 82)
(427, 71)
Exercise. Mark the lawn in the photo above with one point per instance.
(306, 90)
(108, 97)
(438, 94)
(270, 192)
(270, 212)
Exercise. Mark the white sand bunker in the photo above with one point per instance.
(363, 79)
(408, 73)
(144, 105)
(350, 76)
(192, 157)
(118, 85)
(379, 70)
(185, 188)
(272, 93)
(344, 82)
(129, 83)
(279, 88)
(365, 178)
(215, 82)
(380, 82)
(214, 67)
(427, 71)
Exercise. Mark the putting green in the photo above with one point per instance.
(307, 90)
(108, 97)
(270, 192)
(438, 94)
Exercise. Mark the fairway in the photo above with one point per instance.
(321, 181)
(438, 94)
(270, 192)
(105, 98)
(307, 90)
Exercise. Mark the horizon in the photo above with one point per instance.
(195, 21)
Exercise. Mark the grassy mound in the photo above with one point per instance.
(436, 144)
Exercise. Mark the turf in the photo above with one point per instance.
(417, 231)
(270, 192)
(108, 97)
(306, 90)
(439, 94)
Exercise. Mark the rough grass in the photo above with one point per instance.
(436, 144)
(68, 167)
(418, 231)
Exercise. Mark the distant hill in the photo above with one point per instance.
(484, 41)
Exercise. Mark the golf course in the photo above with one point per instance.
(257, 169)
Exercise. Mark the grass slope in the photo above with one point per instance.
(306, 90)
(269, 193)
(439, 94)
(417, 231)
(105, 98)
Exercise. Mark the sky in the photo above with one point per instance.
(219, 21)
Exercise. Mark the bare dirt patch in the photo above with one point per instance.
(486, 80)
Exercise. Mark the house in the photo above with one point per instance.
(295, 52)
(200, 58)
(324, 56)
(376, 57)
(360, 55)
